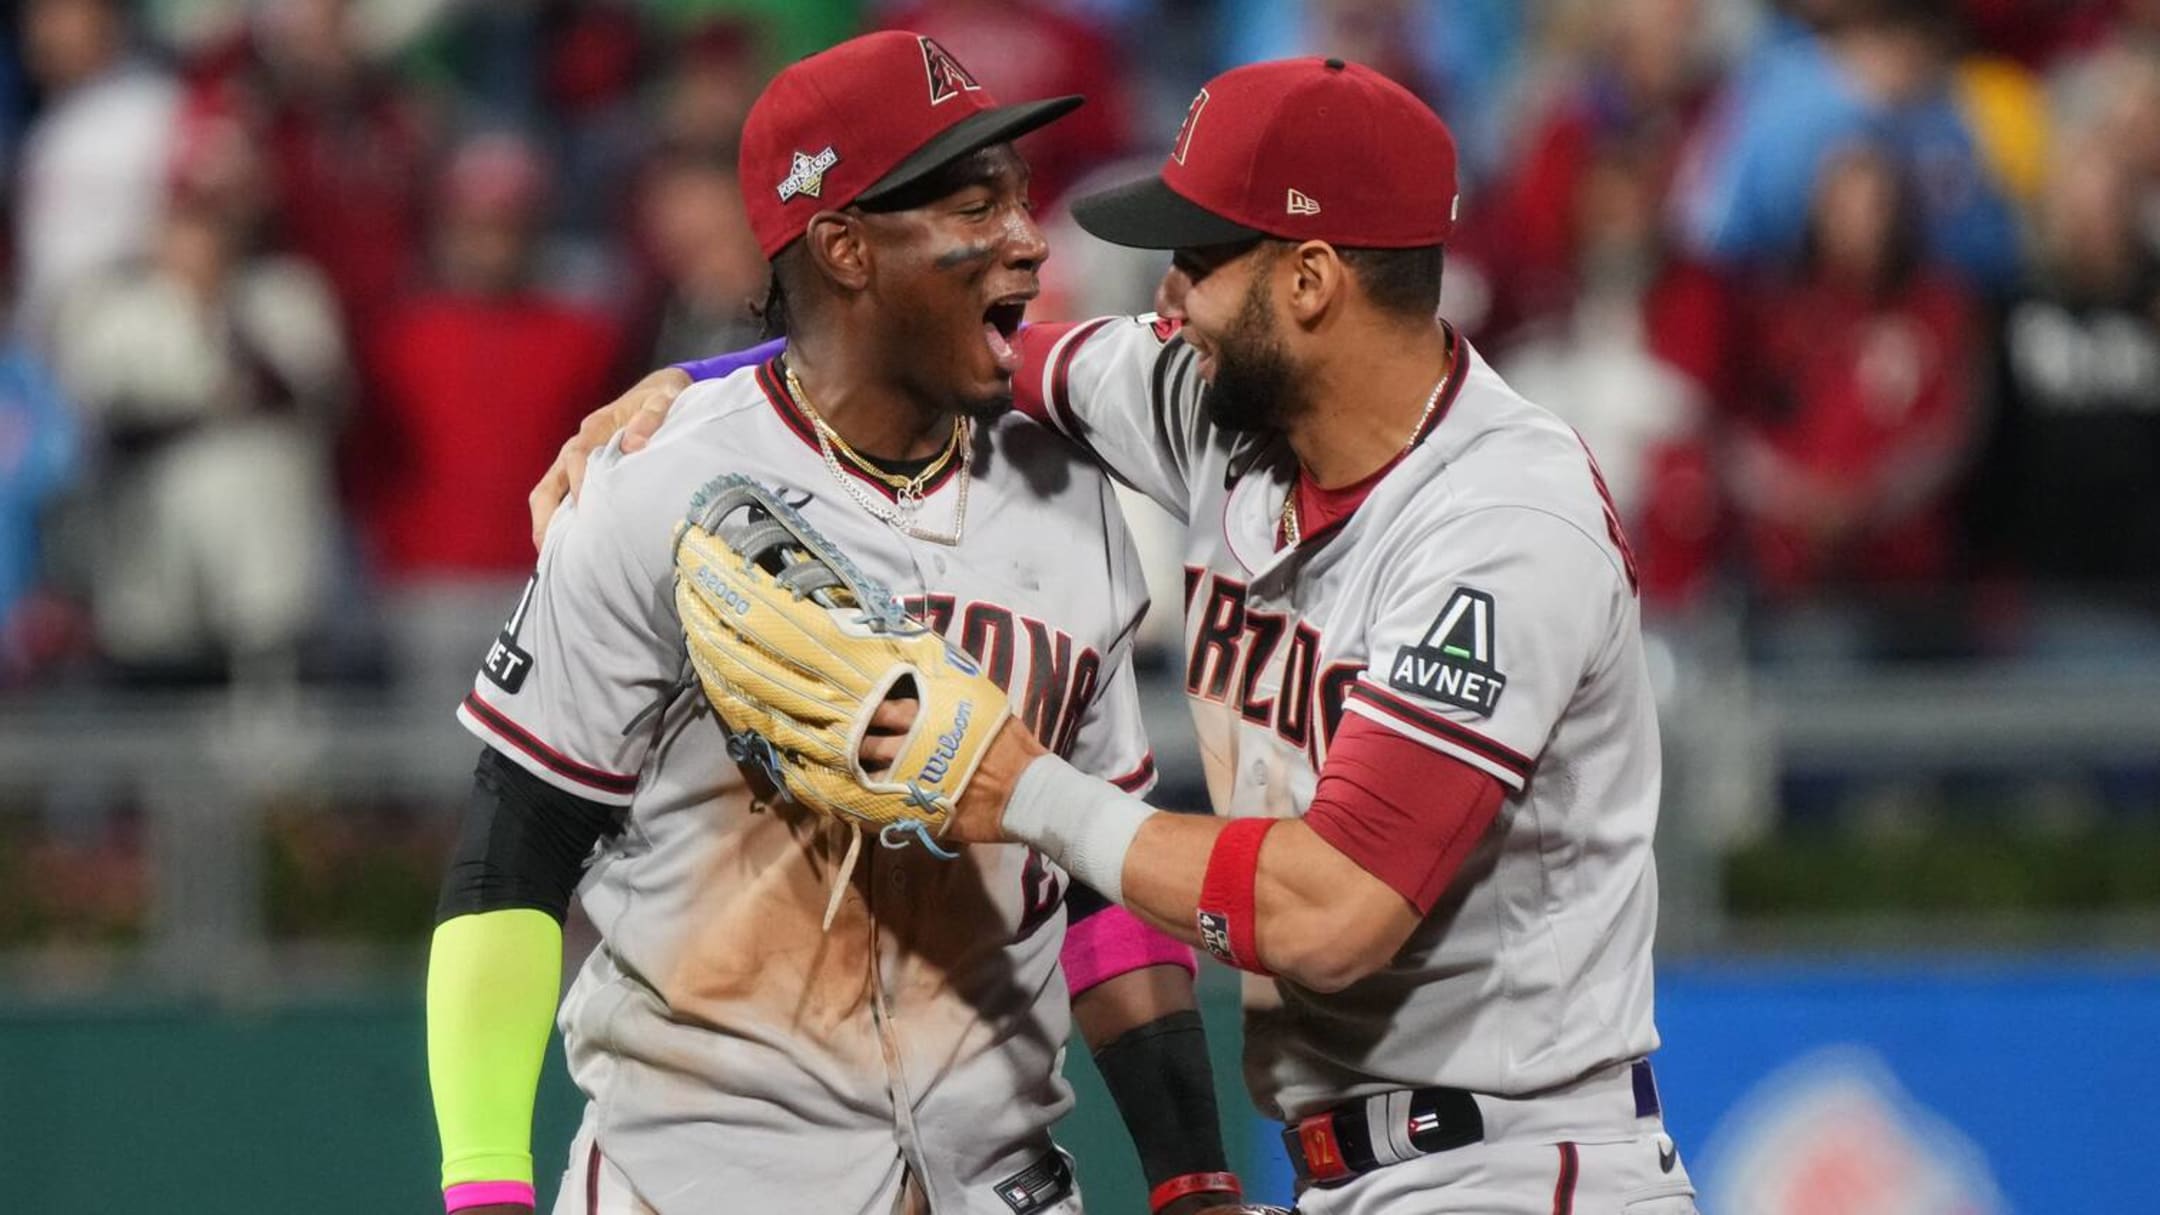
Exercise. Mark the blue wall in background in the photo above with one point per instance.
(2052, 1069)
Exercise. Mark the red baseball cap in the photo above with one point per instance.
(862, 121)
(1299, 149)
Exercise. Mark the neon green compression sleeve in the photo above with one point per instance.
(493, 979)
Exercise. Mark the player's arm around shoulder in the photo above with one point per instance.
(629, 422)
(631, 500)
(1126, 391)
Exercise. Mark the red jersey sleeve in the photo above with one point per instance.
(1406, 813)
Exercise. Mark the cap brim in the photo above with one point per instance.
(1148, 214)
(971, 134)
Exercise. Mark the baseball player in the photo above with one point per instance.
(779, 1016)
(1414, 657)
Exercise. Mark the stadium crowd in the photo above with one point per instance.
(1856, 300)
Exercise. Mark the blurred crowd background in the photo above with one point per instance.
(1856, 301)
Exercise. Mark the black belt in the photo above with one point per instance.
(1335, 1145)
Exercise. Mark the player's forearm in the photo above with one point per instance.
(495, 970)
(1311, 916)
(492, 983)
(1300, 909)
(1150, 1047)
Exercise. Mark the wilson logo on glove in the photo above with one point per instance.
(948, 745)
(796, 647)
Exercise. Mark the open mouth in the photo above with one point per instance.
(1001, 320)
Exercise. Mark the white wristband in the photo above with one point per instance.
(1084, 824)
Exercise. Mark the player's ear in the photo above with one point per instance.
(838, 247)
(1318, 280)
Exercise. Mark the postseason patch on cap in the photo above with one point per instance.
(806, 174)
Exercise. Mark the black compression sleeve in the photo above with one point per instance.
(1160, 1078)
(523, 843)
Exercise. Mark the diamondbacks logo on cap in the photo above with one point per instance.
(806, 174)
(1300, 203)
(1185, 130)
(947, 78)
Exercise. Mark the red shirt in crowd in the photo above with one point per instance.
(472, 396)
(1863, 412)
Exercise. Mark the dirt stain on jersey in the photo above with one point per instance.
(756, 955)
(934, 931)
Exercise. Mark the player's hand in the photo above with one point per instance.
(637, 413)
(889, 724)
(979, 816)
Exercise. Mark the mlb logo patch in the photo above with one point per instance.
(1040, 1185)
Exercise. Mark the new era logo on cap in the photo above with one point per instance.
(1300, 203)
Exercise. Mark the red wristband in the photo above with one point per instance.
(1227, 896)
(1193, 1183)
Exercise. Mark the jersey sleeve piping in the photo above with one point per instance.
(1140, 779)
(1059, 398)
(496, 729)
(1509, 766)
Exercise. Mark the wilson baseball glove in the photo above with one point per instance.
(796, 647)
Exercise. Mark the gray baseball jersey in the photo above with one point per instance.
(737, 1057)
(1480, 601)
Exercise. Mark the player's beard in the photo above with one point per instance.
(988, 409)
(1256, 386)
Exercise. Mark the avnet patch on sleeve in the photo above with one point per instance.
(506, 664)
(1454, 663)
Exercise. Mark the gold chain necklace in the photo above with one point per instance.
(909, 490)
(1288, 520)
